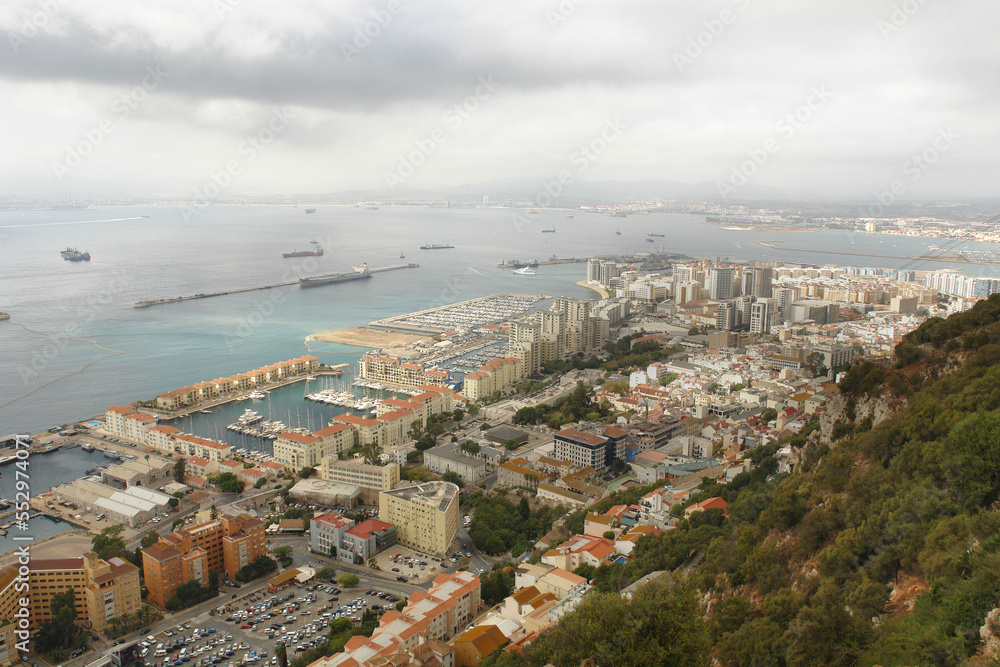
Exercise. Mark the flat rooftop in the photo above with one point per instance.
(438, 495)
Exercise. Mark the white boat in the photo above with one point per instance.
(524, 271)
(258, 394)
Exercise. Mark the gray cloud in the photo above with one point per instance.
(698, 85)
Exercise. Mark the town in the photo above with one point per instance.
(487, 498)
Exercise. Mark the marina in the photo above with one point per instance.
(466, 315)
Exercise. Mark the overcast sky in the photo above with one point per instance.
(139, 98)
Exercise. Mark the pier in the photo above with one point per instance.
(287, 283)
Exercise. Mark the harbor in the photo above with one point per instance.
(316, 280)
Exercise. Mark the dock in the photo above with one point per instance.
(287, 283)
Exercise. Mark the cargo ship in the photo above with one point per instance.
(310, 210)
(317, 252)
(74, 255)
(435, 246)
(4, 316)
(550, 230)
(653, 234)
(316, 281)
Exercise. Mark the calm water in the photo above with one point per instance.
(225, 247)
(44, 472)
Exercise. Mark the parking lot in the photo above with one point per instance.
(298, 617)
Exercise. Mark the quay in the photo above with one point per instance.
(336, 370)
(287, 283)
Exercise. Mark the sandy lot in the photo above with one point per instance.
(365, 337)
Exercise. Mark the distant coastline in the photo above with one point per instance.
(367, 337)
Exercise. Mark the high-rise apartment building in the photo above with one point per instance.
(762, 277)
(425, 515)
(224, 545)
(761, 314)
(720, 283)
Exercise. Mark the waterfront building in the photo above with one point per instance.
(396, 426)
(495, 376)
(425, 515)
(224, 545)
(222, 387)
(370, 478)
(148, 471)
(296, 450)
(390, 370)
(192, 445)
(366, 431)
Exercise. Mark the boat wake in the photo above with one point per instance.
(72, 222)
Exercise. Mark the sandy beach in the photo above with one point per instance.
(369, 338)
(600, 290)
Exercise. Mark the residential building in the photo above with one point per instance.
(361, 542)
(761, 314)
(370, 478)
(517, 473)
(476, 643)
(326, 533)
(429, 618)
(390, 370)
(584, 449)
(720, 283)
(104, 589)
(495, 376)
(225, 545)
(425, 515)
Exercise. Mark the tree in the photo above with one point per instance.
(173, 502)
(660, 625)
(307, 472)
(416, 429)
(814, 362)
(179, 468)
(61, 635)
(473, 409)
(372, 453)
(347, 580)
(283, 552)
(470, 447)
(327, 573)
(279, 652)
(150, 539)
(108, 544)
(260, 566)
(227, 482)
(511, 444)
(260, 482)
(425, 443)
(609, 535)
(453, 477)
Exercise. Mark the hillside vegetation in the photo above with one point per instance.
(881, 548)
